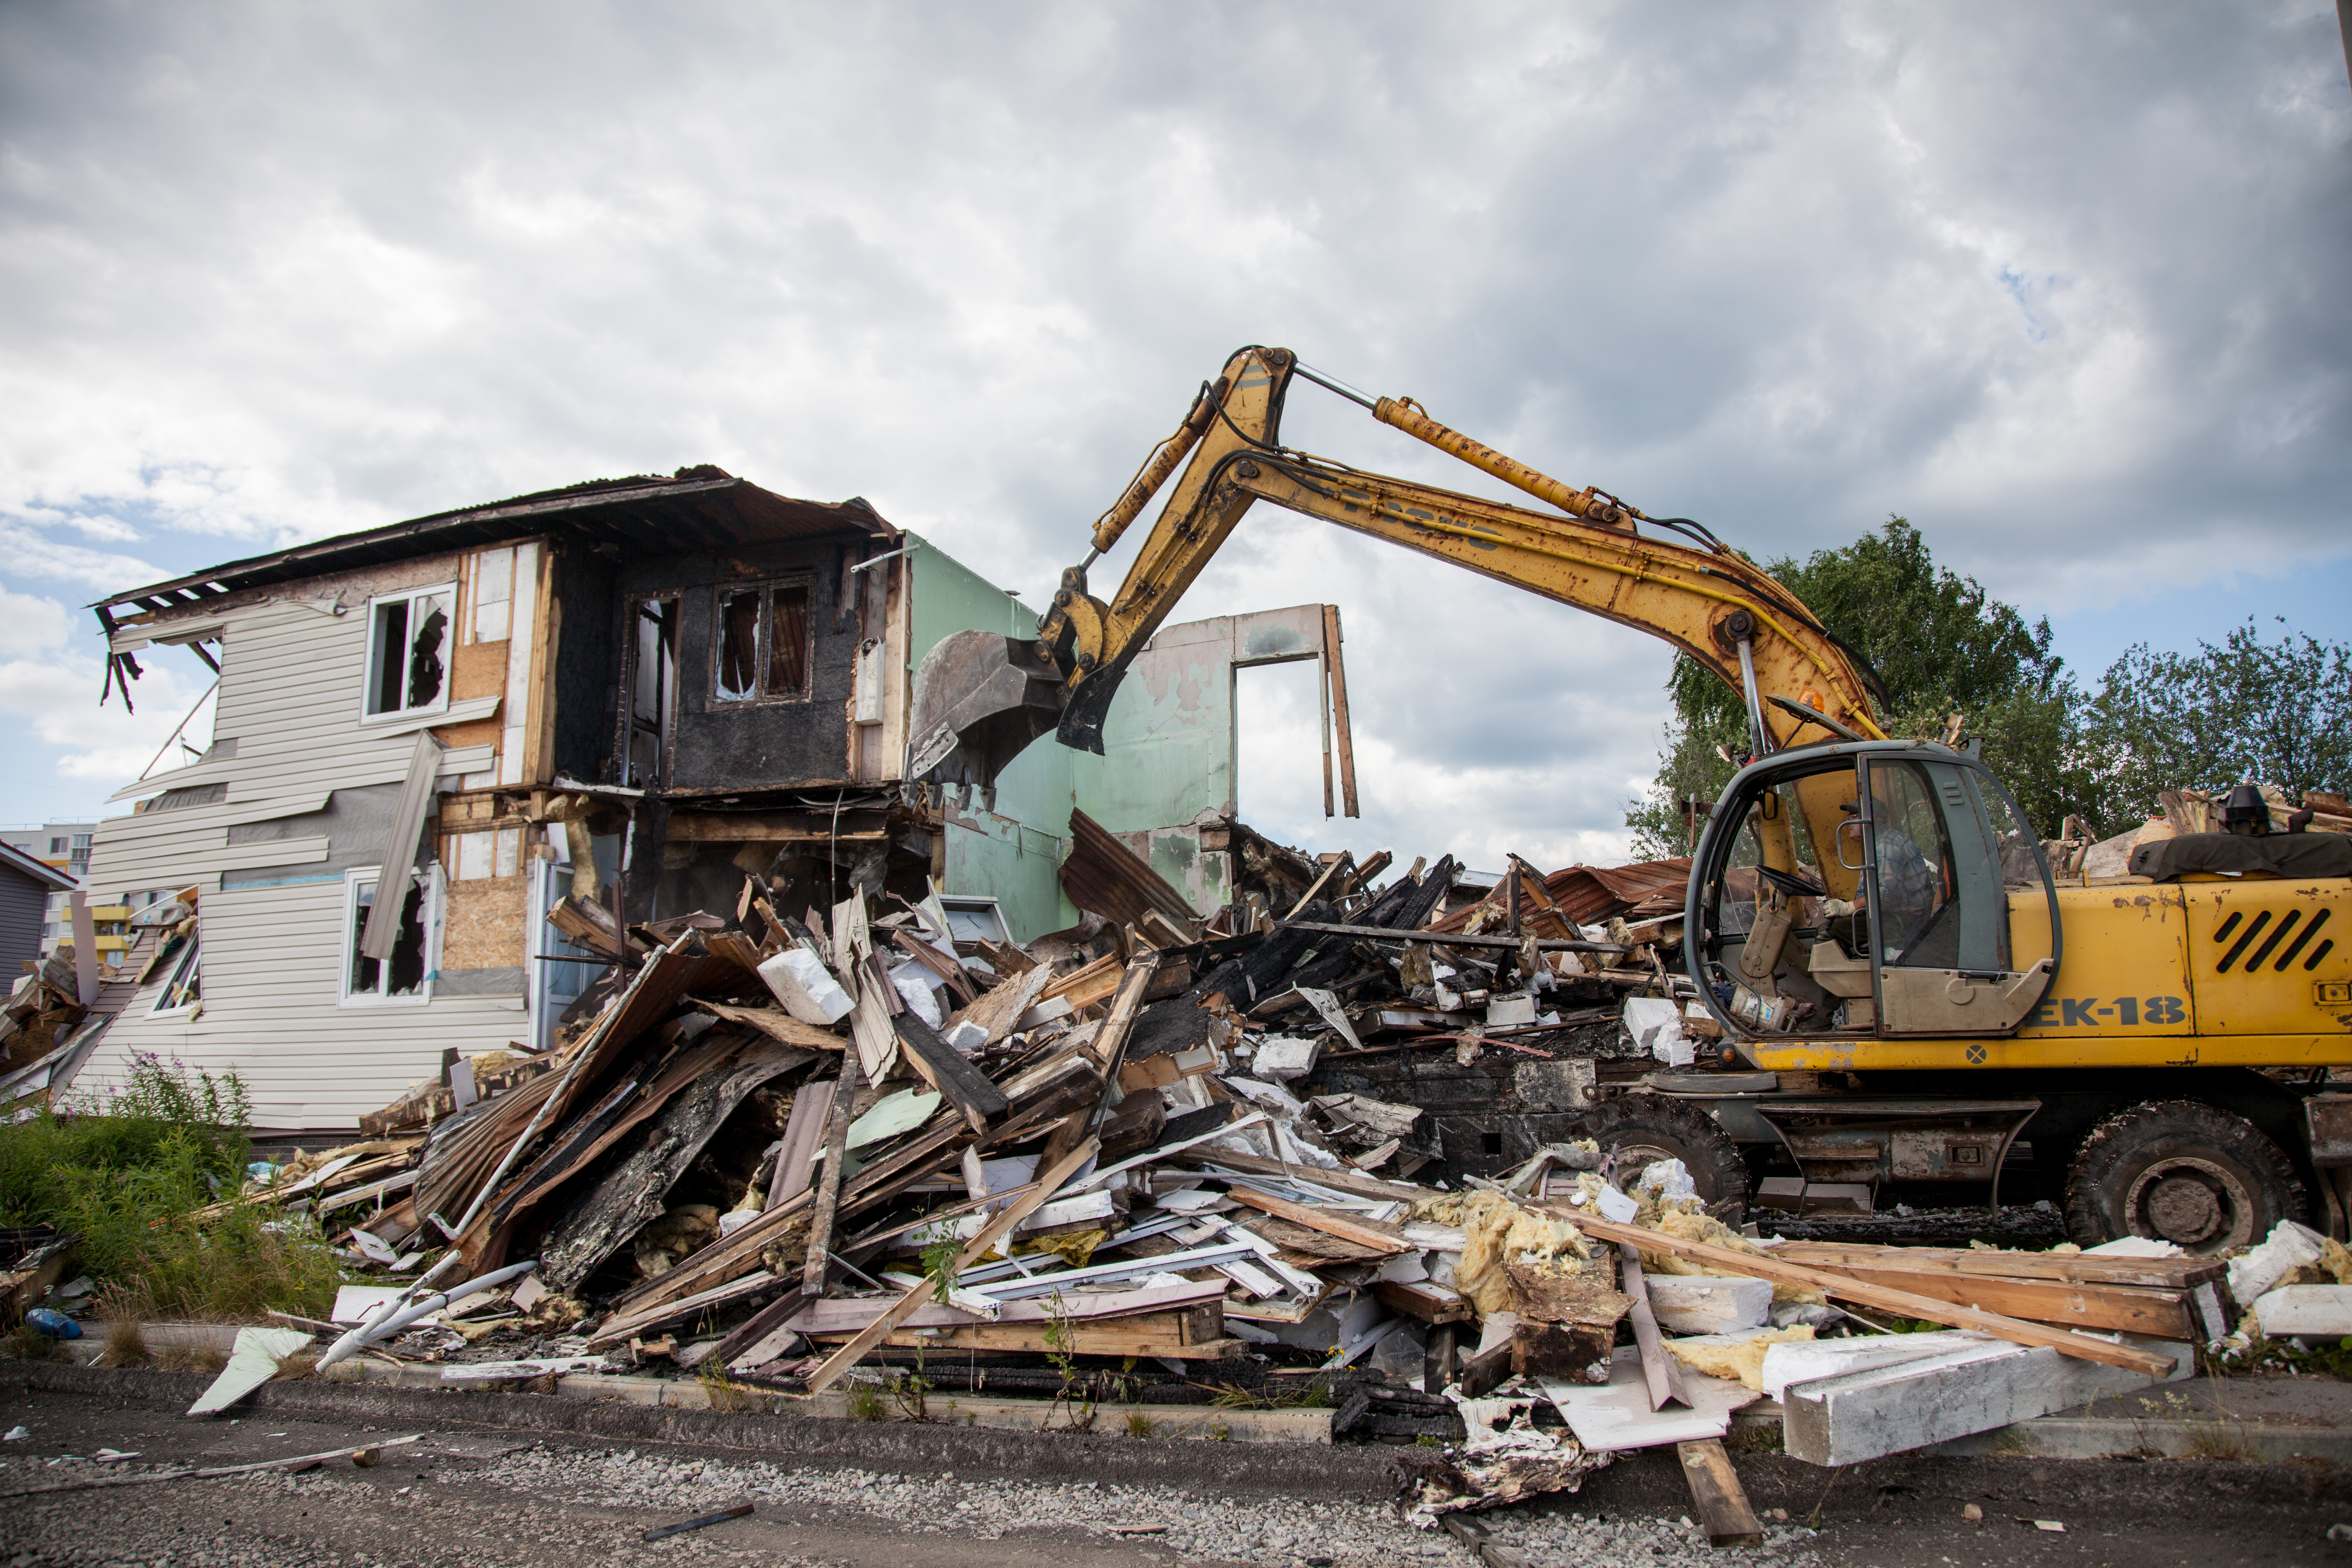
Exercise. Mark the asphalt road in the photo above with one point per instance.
(481, 1496)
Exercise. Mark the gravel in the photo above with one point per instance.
(1272, 1532)
(546, 1499)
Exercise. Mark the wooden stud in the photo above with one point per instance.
(1909, 1303)
(1343, 737)
(1000, 1226)
(1716, 1492)
(828, 1193)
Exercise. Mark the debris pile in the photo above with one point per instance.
(845, 1148)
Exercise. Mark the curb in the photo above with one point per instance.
(2085, 1437)
(1295, 1469)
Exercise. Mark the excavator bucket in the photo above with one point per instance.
(980, 698)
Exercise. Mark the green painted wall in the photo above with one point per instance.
(1015, 852)
(1167, 743)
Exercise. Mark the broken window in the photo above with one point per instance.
(407, 637)
(652, 686)
(405, 975)
(186, 987)
(761, 642)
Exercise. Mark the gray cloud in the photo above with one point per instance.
(2064, 286)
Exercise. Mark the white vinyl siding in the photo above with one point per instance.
(273, 960)
(293, 678)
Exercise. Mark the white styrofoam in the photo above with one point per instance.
(2325, 1309)
(2288, 1247)
(1702, 1304)
(800, 980)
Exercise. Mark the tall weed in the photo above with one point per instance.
(127, 1172)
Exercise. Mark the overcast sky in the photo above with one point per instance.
(2063, 284)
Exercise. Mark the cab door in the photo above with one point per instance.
(1943, 848)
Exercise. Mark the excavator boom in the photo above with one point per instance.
(981, 698)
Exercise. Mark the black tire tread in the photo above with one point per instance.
(2114, 1139)
(1717, 1169)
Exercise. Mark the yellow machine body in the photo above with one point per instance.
(2208, 970)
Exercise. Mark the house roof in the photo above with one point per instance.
(701, 508)
(16, 859)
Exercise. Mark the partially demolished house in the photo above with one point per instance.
(636, 689)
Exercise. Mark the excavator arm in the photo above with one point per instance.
(979, 697)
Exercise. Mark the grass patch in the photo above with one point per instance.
(26, 1343)
(723, 1392)
(128, 1174)
(865, 1403)
(125, 1345)
(1138, 1424)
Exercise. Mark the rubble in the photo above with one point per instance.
(1152, 1160)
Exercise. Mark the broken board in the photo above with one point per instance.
(1618, 1416)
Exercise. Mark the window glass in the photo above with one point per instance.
(186, 985)
(761, 642)
(2020, 865)
(407, 672)
(653, 687)
(1914, 869)
(738, 644)
(368, 978)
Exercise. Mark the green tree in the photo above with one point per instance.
(2280, 712)
(1938, 642)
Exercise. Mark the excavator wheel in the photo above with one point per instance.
(1646, 1127)
(2182, 1172)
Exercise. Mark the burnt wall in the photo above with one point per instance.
(719, 745)
(587, 661)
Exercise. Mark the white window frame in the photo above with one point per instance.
(347, 946)
(192, 959)
(375, 653)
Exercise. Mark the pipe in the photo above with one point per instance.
(1157, 468)
(1758, 739)
(1414, 420)
(367, 1333)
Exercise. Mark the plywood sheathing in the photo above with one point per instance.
(483, 928)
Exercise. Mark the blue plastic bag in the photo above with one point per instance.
(56, 1325)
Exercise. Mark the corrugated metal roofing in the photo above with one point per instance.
(1104, 877)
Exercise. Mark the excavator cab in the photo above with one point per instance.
(1868, 891)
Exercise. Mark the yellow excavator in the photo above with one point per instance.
(1904, 991)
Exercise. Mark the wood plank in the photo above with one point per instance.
(1353, 1182)
(1344, 737)
(998, 1228)
(776, 1024)
(774, 827)
(2115, 1309)
(961, 1084)
(929, 1151)
(842, 1316)
(811, 1114)
(1380, 1238)
(1909, 1304)
(819, 1257)
(1425, 1301)
(1716, 1492)
(2072, 1268)
(1096, 980)
(1661, 1375)
(1444, 939)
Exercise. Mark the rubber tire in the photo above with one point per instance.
(1680, 1131)
(2121, 1148)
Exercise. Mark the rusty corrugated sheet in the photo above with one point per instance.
(1591, 894)
(1104, 877)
